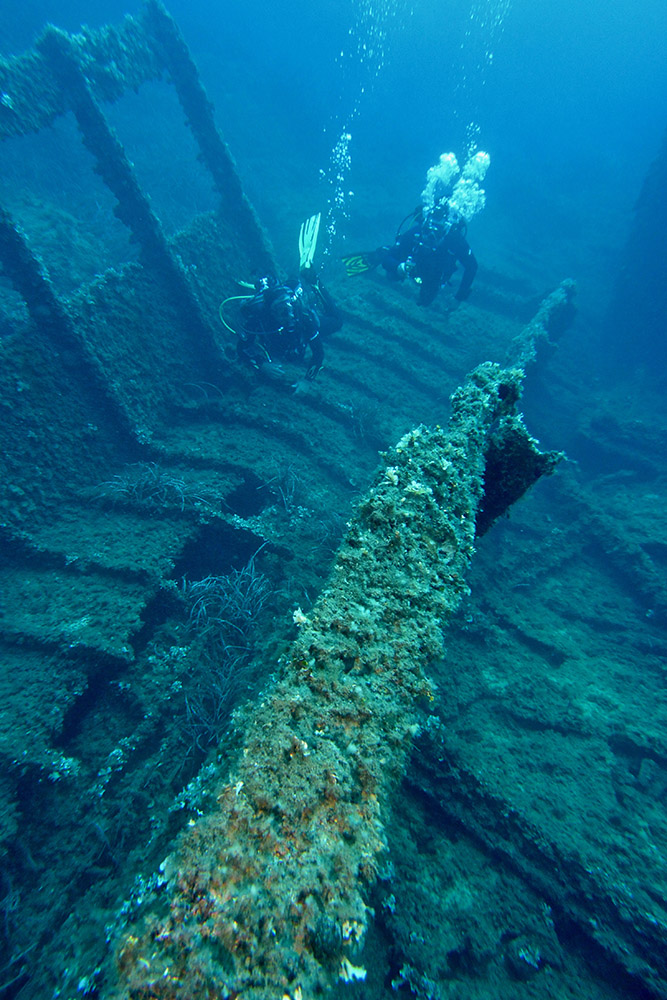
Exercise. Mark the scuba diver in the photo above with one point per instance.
(428, 253)
(435, 244)
(281, 320)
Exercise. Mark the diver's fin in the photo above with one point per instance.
(308, 240)
(358, 263)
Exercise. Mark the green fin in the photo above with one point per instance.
(358, 263)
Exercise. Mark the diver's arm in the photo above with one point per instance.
(252, 353)
(401, 253)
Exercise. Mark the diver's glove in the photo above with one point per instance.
(405, 268)
(313, 372)
(272, 371)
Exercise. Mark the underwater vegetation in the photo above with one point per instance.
(147, 484)
(222, 617)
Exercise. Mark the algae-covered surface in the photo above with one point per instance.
(303, 690)
(280, 868)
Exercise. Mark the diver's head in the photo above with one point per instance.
(441, 209)
(268, 282)
(455, 218)
(445, 217)
(436, 218)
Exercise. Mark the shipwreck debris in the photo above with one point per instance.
(266, 894)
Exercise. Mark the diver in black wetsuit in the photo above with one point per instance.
(281, 320)
(429, 251)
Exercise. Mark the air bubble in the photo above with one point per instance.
(367, 57)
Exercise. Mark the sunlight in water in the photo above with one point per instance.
(483, 32)
(362, 60)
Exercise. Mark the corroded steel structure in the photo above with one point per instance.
(91, 336)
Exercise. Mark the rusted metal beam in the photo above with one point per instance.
(50, 314)
(176, 58)
(117, 59)
(133, 207)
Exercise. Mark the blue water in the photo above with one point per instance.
(569, 99)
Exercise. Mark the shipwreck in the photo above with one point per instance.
(136, 454)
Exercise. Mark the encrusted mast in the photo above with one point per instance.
(266, 895)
